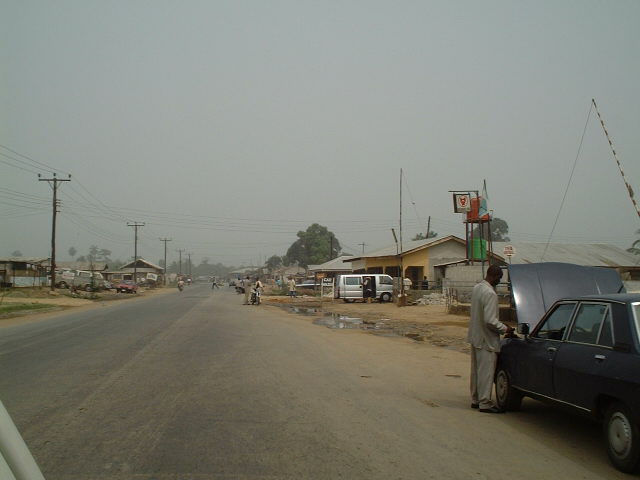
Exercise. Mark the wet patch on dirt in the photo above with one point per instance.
(418, 332)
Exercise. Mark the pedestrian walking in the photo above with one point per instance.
(484, 337)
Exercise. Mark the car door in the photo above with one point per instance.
(582, 360)
(353, 287)
(535, 365)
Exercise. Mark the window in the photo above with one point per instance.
(556, 323)
(606, 334)
(386, 280)
(586, 327)
(352, 281)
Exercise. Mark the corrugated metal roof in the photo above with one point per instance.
(593, 255)
(337, 264)
(24, 260)
(392, 250)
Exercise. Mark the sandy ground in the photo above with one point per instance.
(422, 323)
(62, 302)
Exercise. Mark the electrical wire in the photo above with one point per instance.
(566, 190)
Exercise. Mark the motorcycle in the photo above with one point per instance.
(255, 296)
(180, 285)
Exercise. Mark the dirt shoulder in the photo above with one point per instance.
(60, 302)
(422, 323)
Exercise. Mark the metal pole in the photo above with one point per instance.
(615, 157)
(15, 452)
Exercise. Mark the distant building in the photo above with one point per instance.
(24, 272)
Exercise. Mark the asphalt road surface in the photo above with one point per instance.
(194, 385)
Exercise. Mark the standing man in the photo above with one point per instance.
(292, 287)
(247, 289)
(484, 337)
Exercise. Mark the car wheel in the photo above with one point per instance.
(385, 297)
(87, 288)
(622, 437)
(507, 397)
(349, 300)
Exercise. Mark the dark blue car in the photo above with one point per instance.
(582, 353)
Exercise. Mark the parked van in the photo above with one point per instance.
(350, 287)
(84, 281)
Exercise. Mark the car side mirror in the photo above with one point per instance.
(523, 329)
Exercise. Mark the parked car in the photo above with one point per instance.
(583, 353)
(349, 287)
(64, 278)
(86, 280)
(127, 286)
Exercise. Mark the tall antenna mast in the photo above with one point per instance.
(615, 157)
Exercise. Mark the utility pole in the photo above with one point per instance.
(135, 226)
(363, 245)
(53, 182)
(165, 240)
(180, 250)
(189, 255)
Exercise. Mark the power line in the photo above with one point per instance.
(566, 190)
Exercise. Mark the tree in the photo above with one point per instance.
(16, 253)
(81, 259)
(499, 230)
(72, 252)
(420, 236)
(315, 245)
(274, 262)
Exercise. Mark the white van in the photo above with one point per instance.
(83, 280)
(350, 287)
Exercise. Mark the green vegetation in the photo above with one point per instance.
(8, 308)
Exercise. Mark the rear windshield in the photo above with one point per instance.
(636, 317)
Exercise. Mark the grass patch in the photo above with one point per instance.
(19, 307)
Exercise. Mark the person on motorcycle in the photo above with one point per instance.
(180, 284)
(257, 291)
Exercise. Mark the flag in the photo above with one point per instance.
(484, 209)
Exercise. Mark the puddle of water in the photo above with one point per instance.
(333, 320)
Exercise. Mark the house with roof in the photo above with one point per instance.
(419, 257)
(145, 271)
(335, 266)
(24, 271)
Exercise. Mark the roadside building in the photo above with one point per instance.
(146, 272)
(24, 272)
(419, 259)
(459, 277)
(87, 266)
(337, 266)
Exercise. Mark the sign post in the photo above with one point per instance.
(509, 251)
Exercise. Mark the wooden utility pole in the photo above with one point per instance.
(53, 182)
(165, 240)
(363, 245)
(180, 250)
(135, 226)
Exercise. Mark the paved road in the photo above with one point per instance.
(194, 386)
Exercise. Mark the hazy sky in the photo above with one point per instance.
(230, 125)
